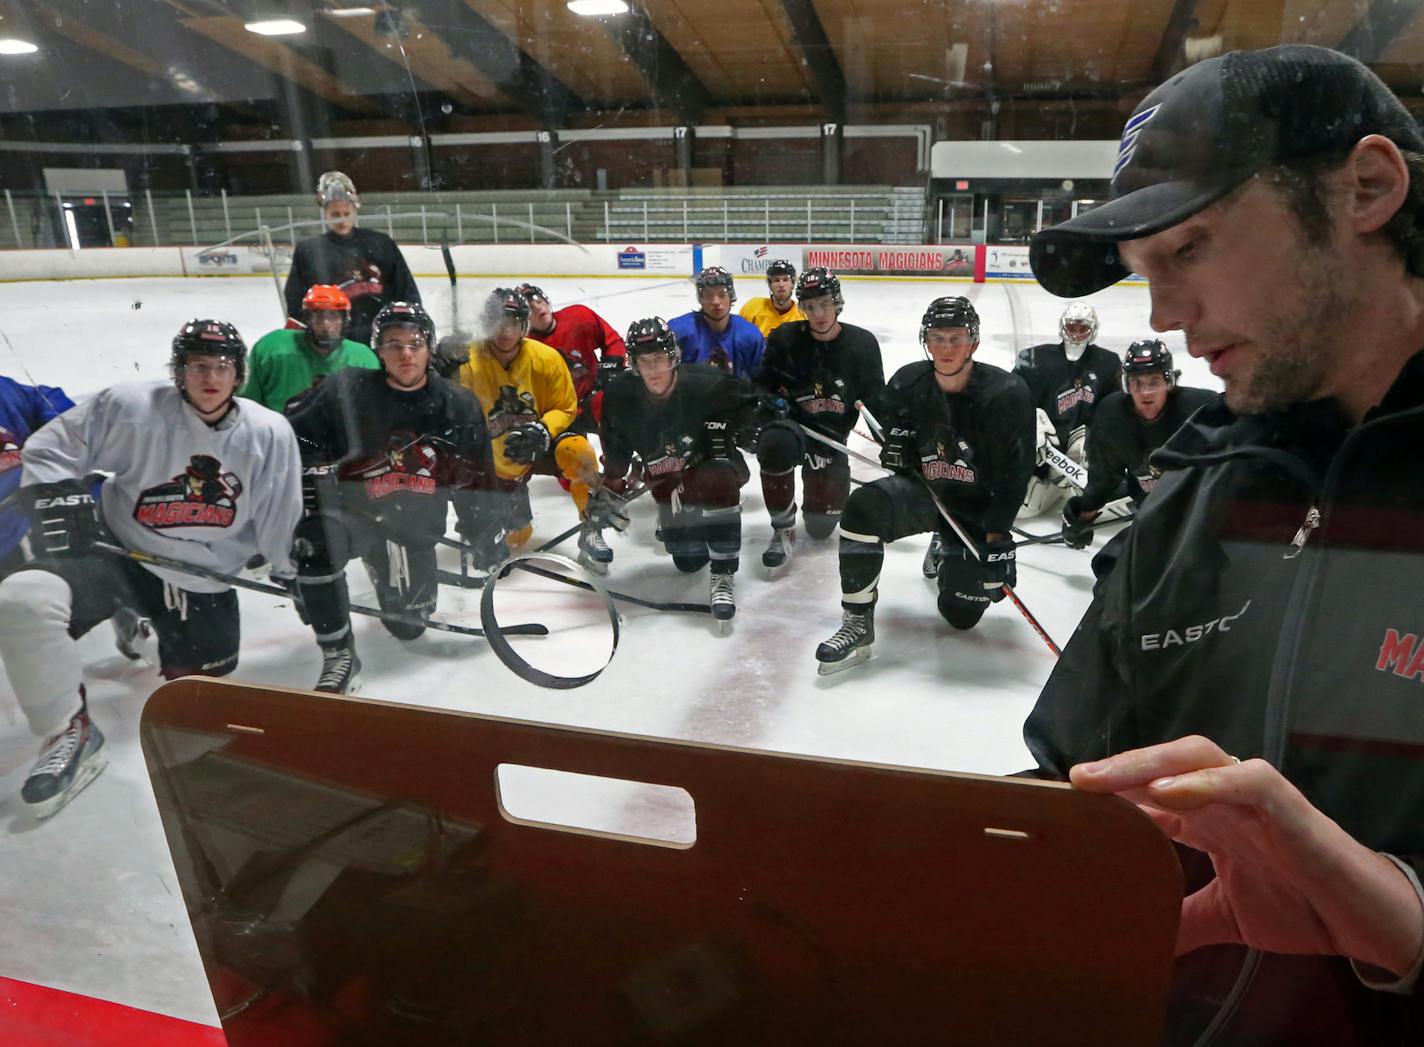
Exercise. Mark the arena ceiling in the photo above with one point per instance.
(674, 60)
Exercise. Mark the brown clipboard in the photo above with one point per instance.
(353, 877)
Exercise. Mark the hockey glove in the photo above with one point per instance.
(451, 353)
(718, 438)
(486, 544)
(526, 443)
(997, 568)
(899, 452)
(1077, 533)
(64, 519)
(606, 509)
(318, 485)
(1044, 434)
(609, 368)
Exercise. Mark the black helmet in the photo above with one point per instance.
(505, 303)
(950, 312)
(403, 314)
(208, 338)
(1149, 356)
(779, 267)
(652, 335)
(818, 282)
(715, 276)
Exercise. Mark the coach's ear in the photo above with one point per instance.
(1376, 183)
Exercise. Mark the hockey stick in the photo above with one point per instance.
(467, 582)
(944, 512)
(454, 294)
(272, 260)
(168, 562)
(1119, 511)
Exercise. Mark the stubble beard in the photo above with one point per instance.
(1293, 366)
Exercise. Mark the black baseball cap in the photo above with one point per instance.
(1203, 133)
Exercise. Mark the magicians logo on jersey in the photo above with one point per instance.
(820, 403)
(671, 461)
(937, 467)
(408, 467)
(202, 496)
(1401, 654)
(9, 451)
(512, 408)
(365, 279)
(1079, 394)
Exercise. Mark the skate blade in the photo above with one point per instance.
(598, 567)
(88, 771)
(850, 661)
(773, 573)
(722, 626)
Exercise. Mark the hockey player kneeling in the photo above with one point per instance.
(963, 427)
(197, 476)
(528, 397)
(681, 422)
(384, 453)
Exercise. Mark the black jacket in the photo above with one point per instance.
(698, 420)
(1267, 597)
(822, 381)
(402, 456)
(975, 446)
(1069, 391)
(367, 265)
(1120, 441)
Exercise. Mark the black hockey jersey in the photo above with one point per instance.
(701, 416)
(367, 265)
(975, 446)
(821, 381)
(1121, 440)
(401, 456)
(1068, 391)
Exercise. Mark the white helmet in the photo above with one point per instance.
(1079, 317)
(335, 185)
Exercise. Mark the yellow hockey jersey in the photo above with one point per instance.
(764, 315)
(536, 386)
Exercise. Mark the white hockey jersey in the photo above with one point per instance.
(210, 495)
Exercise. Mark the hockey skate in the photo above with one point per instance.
(134, 636)
(777, 558)
(68, 762)
(340, 670)
(934, 556)
(593, 552)
(850, 644)
(724, 603)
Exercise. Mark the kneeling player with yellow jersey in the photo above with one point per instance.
(529, 400)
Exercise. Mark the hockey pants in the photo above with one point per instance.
(570, 458)
(825, 479)
(700, 514)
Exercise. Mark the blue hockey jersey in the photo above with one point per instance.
(738, 348)
(23, 409)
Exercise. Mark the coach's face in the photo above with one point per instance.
(1257, 298)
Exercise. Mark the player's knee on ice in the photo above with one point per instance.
(779, 448)
(820, 526)
(961, 600)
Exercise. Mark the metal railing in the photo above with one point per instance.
(145, 218)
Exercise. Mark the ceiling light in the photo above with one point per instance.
(11, 46)
(275, 27)
(350, 12)
(597, 7)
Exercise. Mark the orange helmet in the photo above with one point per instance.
(326, 297)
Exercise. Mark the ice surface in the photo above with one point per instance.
(89, 901)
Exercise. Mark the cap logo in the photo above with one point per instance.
(1128, 146)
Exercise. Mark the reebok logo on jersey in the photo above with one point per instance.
(9, 451)
(1401, 654)
(201, 496)
(1191, 634)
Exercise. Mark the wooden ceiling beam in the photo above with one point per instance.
(1370, 37)
(820, 57)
